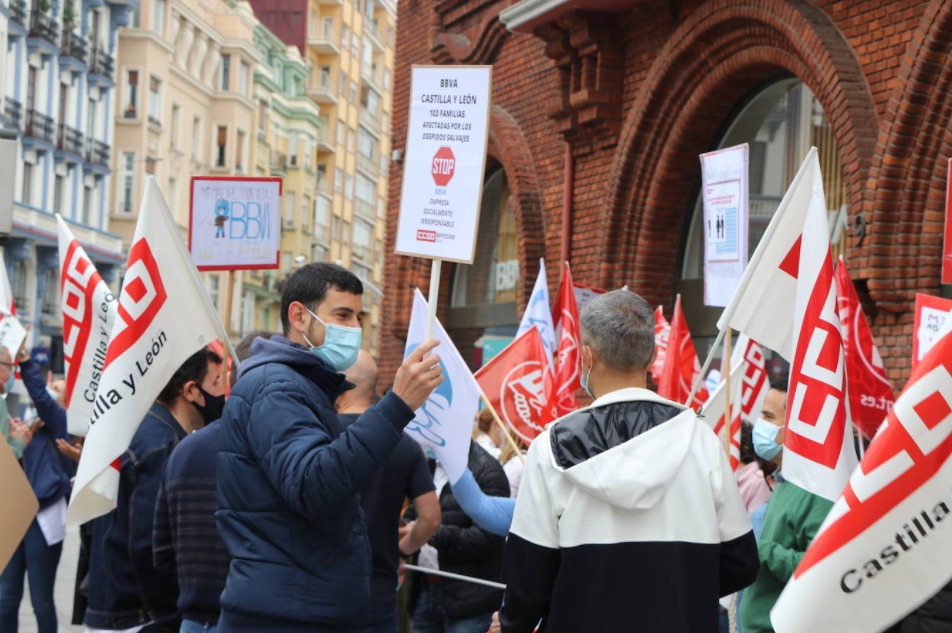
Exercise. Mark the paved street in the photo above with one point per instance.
(65, 576)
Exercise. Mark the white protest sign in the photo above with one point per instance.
(12, 332)
(444, 163)
(235, 223)
(930, 315)
(724, 191)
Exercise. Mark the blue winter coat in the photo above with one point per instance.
(288, 503)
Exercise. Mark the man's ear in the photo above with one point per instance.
(191, 391)
(297, 315)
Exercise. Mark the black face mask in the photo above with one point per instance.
(214, 405)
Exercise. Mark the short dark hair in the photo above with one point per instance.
(194, 368)
(780, 384)
(308, 285)
(243, 349)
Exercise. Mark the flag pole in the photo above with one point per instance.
(704, 367)
(728, 411)
(505, 430)
(434, 294)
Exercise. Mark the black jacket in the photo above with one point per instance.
(467, 549)
(934, 616)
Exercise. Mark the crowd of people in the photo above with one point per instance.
(288, 506)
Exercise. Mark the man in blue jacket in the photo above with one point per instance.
(126, 592)
(289, 474)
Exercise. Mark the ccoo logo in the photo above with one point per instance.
(142, 297)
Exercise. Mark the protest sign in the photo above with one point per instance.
(235, 223)
(724, 190)
(12, 332)
(18, 504)
(444, 162)
(930, 315)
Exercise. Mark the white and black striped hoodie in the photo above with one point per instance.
(628, 519)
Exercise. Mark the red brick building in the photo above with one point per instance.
(601, 107)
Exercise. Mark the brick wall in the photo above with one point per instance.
(638, 95)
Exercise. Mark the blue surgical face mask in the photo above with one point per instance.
(583, 379)
(341, 344)
(764, 436)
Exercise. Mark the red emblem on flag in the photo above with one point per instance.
(143, 295)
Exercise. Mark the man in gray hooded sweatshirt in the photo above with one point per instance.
(628, 516)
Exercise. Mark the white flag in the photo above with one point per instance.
(539, 312)
(89, 311)
(728, 431)
(445, 421)
(802, 325)
(886, 545)
(163, 317)
(755, 381)
(763, 306)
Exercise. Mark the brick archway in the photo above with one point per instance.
(907, 183)
(718, 55)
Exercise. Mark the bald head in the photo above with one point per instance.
(363, 373)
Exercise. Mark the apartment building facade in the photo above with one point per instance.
(57, 90)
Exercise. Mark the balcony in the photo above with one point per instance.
(38, 126)
(18, 11)
(364, 209)
(279, 161)
(324, 142)
(42, 26)
(369, 118)
(324, 41)
(101, 62)
(372, 30)
(69, 140)
(367, 164)
(12, 110)
(75, 46)
(323, 92)
(97, 153)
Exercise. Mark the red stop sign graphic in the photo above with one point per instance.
(444, 166)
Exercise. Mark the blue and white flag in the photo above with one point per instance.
(539, 312)
(445, 421)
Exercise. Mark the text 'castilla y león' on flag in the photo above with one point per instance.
(163, 316)
(786, 301)
(89, 312)
(886, 545)
(445, 421)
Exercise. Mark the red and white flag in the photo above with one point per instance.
(568, 357)
(886, 545)
(681, 366)
(518, 383)
(89, 311)
(869, 390)
(9, 304)
(715, 409)
(754, 382)
(787, 301)
(164, 315)
(662, 332)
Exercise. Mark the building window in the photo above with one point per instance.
(58, 184)
(221, 143)
(344, 37)
(290, 207)
(243, 78)
(89, 201)
(51, 297)
(349, 186)
(293, 149)
(338, 179)
(326, 77)
(158, 17)
(362, 234)
(247, 312)
(128, 180)
(262, 118)
(306, 213)
(174, 128)
(342, 88)
(155, 103)
(196, 133)
(240, 152)
(322, 212)
(27, 195)
(214, 284)
(21, 280)
(328, 28)
(225, 80)
(132, 94)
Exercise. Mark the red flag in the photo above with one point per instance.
(681, 365)
(885, 547)
(662, 332)
(868, 388)
(567, 364)
(517, 382)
